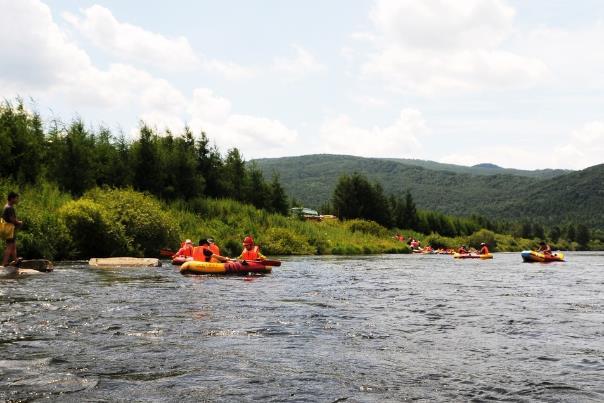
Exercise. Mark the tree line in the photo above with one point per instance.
(356, 197)
(170, 166)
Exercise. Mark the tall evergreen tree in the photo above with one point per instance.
(554, 234)
(583, 235)
(278, 199)
(410, 220)
(571, 234)
(147, 163)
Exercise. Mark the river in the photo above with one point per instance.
(319, 329)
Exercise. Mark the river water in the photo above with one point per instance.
(326, 329)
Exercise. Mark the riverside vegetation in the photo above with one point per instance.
(89, 193)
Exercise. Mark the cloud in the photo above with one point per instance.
(35, 53)
(584, 148)
(303, 63)
(437, 46)
(369, 102)
(443, 24)
(213, 114)
(569, 53)
(134, 44)
(43, 61)
(400, 139)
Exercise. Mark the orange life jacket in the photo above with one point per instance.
(215, 249)
(185, 251)
(250, 254)
(199, 255)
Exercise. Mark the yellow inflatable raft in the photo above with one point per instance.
(228, 268)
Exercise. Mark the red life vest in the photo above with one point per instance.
(250, 254)
(484, 250)
(215, 249)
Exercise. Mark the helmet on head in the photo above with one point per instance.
(188, 241)
(203, 242)
(482, 244)
(210, 240)
(248, 240)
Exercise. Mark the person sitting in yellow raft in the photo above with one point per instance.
(484, 249)
(186, 250)
(544, 248)
(462, 250)
(205, 252)
(251, 251)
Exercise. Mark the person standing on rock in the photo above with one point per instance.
(8, 228)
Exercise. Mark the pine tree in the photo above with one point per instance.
(279, 203)
(583, 235)
(554, 234)
(571, 234)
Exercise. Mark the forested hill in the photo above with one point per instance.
(482, 169)
(577, 196)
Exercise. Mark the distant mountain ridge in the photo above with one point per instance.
(481, 169)
(550, 196)
(487, 165)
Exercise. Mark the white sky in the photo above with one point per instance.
(516, 83)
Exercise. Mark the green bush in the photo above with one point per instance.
(283, 241)
(145, 221)
(483, 235)
(44, 236)
(367, 227)
(437, 241)
(93, 231)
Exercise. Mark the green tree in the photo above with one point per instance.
(538, 231)
(527, 230)
(235, 174)
(571, 234)
(554, 234)
(278, 199)
(583, 235)
(410, 217)
(257, 192)
(210, 166)
(147, 164)
(22, 141)
(73, 164)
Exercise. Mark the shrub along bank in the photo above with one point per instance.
(112, 222)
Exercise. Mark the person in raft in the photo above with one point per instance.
(544, 248)
(213, 247)
(186, 250)
(8, 228)
(462, 250)
(484, 249)
(251, 251)
(204, 253)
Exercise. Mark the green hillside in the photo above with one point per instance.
(502, 193)
(482, 169)
(576, 197)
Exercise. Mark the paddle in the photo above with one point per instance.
(166, 252)
(266, 262)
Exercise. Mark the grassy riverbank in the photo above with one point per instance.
(106, 222)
